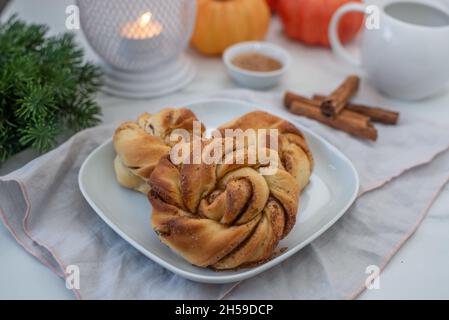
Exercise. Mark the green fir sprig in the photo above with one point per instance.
(46, 88)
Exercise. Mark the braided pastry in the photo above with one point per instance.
(226, 216)
(139, 145)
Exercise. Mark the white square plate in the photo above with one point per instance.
(333, 188)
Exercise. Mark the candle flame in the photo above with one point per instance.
(144, 27)
(145, 19)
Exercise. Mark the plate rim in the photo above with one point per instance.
(249, 272)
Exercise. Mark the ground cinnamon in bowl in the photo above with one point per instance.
(254, 61)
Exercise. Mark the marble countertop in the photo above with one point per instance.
(420, 270)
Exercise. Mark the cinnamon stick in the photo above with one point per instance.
(348, 121)
(374, 113)
(339, 98)
(290, 97)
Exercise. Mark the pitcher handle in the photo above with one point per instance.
(336, 45)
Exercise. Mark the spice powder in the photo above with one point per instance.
(254, 61)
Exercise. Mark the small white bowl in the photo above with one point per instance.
(256, 79)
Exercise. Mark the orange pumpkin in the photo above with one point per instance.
(308, 20)
(222, 23)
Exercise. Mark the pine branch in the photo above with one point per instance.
(83, 113)
(40, 134)
(38, 102)
(46, 87)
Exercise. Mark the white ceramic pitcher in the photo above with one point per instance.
(406, 55)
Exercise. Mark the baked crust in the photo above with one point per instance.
(139, 145)
(226, 216)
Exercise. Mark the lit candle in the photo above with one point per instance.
(141, 36)
(141, 29)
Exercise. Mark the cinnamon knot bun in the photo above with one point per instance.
(139, 145)
(230, 215)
